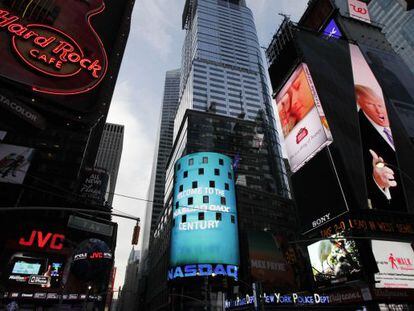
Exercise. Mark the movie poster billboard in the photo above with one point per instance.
(267, 261)
(14, 163)
(359, 10)
(385, 190)
(334, 260)
(395, 262)
(302, 119)
(204, 237)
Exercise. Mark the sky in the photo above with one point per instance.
(154, 47)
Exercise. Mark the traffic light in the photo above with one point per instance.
(135, 235)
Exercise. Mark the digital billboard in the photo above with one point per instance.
(267, 261)
(395, 262)
(359, 10)
(204, 238)
(302, 119)
(334, 260)
(14, 163)
(382, 174)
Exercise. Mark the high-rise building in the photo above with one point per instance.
(109, 154)
(397, 24)
(128, 297)
(164, 144)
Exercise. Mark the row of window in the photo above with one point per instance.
(206, 199)
(201, 216)
(201, 172)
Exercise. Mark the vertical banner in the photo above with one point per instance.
(204, 239)
(302, 119)
(359, 10)
(381, 168)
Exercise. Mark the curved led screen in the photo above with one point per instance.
(204, 238)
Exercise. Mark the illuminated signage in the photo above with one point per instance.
(93, 255)
(39, 280)
(395, 262)
(203, 270)
(332, 30)
(359, 10)
(53, 53)
(204, 226)
(38, 238)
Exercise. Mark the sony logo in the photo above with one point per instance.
(321, 220)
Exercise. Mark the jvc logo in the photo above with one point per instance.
(41, 240)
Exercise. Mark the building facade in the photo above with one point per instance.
(128, 297)
(109, 154)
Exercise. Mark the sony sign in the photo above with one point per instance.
(203, 270)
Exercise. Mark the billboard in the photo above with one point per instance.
(332, 30)
(267, 261)
(385, 190)
(395, 262)
(204, 238)
(14, 163)
(334, 261)
(302, 119)
(95, 185)
(359, 10)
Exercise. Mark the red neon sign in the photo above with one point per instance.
(41, 240)
(51, 52)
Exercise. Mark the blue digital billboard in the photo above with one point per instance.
(204, 238)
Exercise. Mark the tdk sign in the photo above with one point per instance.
(202, 270)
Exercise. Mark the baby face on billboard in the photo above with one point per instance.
(372, 105)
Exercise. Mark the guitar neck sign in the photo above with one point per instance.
(53, 53)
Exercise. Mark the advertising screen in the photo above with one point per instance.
(332, 30)
(95, 185)
(395, 262)
(302, 119)
(22, 267)
(14, 163)
(267, 261)
(334, 261)
(382, 174)
(359, 10)
(204, 238)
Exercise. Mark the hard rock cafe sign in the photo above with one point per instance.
(63, 59)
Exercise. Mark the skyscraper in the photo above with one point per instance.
(162, 152)
(109, 154)
(398, 26)
(220, 60)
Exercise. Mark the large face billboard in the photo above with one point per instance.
(52, 48)
(385, 190)
(204, 239)
(302, 119)
(14, 163)
(395, 262)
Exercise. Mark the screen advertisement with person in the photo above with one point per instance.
(385, 190)
(302, 119)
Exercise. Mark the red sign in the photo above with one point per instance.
(63, 59)
(38, 238)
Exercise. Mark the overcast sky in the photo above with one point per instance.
(154, 47)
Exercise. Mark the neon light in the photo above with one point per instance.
(55, 240)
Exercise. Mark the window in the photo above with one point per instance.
(200, 216)
(194, 184)
(223, 200)
(177, 205)
(201, 171)
(226, 186)
(233, 219)
(218, 216)
(190, 161)
(221, 161)
(205, 160)
(181, 188)
(190, 201)
(178, 166)
(212, 184)
(229, 174)
(184, 218)
(205, 199)
(216, 172)
(185, 175)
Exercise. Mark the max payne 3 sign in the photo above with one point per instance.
(57, 60)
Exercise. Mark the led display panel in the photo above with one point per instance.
(382, 173)
(22, 267)
(395, 262)
(334, 261)
(302, 119)
(204, 239)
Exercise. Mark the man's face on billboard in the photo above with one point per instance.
(301, 98)
(374, 107)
